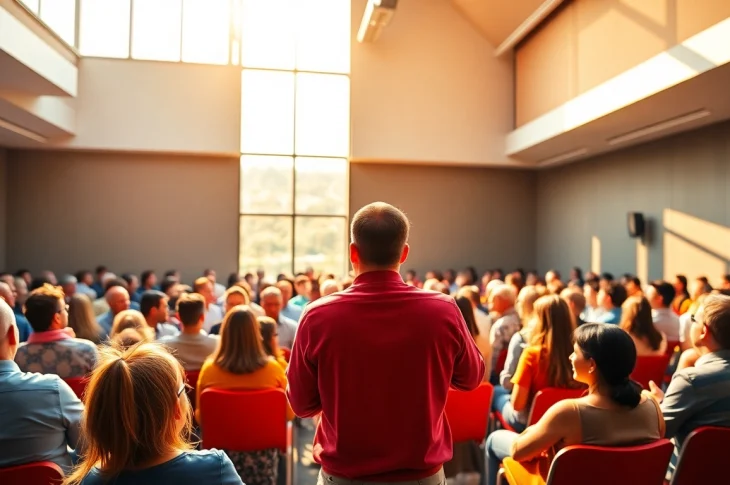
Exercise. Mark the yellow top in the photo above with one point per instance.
(211, 375)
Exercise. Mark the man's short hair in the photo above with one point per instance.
(190, 307)
(717, 318)
(665, 290)
(237, 290)
(42, 305)
(150, 299)
(616, 292)
(576, 298)
(380, 231)
(200, 283)
(270, 291)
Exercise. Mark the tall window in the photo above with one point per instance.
(295, 135)
(59, 15)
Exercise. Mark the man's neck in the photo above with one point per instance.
(151, 323)
(190, 330)
(362, 269)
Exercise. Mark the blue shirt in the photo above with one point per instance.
(39, 419)
(209, 467)
(610, 316)
(24, 328)
(292, 312)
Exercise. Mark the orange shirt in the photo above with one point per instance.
(532, 369)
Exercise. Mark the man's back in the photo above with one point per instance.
(378, 359)
(71, 357)
(40, 417)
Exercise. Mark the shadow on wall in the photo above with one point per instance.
(695, 247)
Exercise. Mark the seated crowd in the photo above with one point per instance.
(137, 340)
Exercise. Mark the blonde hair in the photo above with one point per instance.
(132, 319)
(81, 318)
(240, 349)
(131, 403)
(553, 332)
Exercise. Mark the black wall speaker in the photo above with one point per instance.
(636, 224)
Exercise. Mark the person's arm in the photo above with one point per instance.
(302, 389)
(552, 428)
(687, 359)
(229, 475)
(678, 404)
(523, 377)
(510, 364)
(469, 365)
(71, 410)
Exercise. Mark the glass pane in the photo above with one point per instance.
(323, 115)
(206, 31)
(321, 242)
(267, 112)
(323, 36)
(104, 28)
(267, 34)
(32, 5)
(156, 29)
(321, 186)
(265, 242)
(267, 184)
(60, 15)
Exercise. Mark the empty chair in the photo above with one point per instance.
(467, 413)
(701, 459)
(650, 368)
(39, 473)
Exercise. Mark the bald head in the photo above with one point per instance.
(6, 294)
(118, 299)
(328, 287)
(379, 233)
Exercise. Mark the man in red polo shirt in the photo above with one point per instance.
(377, 361)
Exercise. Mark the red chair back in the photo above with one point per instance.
(671, 347)
(242, 420)
(650, 368)
(501, 359)
(192, 378)
(286, 353)
(701, 459)
(77, 385)
(39, 473)
(545, 398)
(599, 465)
(467, 413)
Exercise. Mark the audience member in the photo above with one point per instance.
(303, 287)
(8, 296)
(661, 295)
(137, 425)
(576, 303)
(506, 321)
(81, 319)
(40, 413)
(681, 302)
(68, 285)
(287, 290)
(700, 395)
(329, 286)
(85, 280)
(636, 320)
(270, 339)
(482, 341)
(52, 347)
(156, 312)
(117, 298)
(610, 298)
(375, 328)
(218, 289)
(526, 311)
(132, 286)
(21, 294)
(98, 285)
(192, 346)
(213, 313)
(233, 297)
(240, 362)
(272, 303)
(613, 413)
(131, 319)
(482, 318)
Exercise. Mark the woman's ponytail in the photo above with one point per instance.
(626, 393)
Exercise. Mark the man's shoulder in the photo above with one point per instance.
(30, 381)
(412, 296)
(286, 321)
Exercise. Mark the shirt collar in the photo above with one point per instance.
(713, 357)
(385, 276)
(49, 336)
(7, 366)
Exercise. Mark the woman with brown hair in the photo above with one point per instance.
(131, 319)
(270, 340)
(482, 341)
(137, 423)
(637, 321)
(81, 319)
(240, 362)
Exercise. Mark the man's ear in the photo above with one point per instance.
(12, 335)
(404, 254)
(354, 254)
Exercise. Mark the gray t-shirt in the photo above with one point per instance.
(191, 350)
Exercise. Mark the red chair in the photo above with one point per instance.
(39, 473)
(542, 401)
(78, 385)
(650, 368)
(243, 420)
(599, 465)
(467, 413)
(672, 347)
(286, 352)
(191, 376)
(501, 359)
(701, 459)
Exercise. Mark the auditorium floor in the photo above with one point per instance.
(306, 469)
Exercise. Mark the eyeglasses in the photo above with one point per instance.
(64, 307)
(182, 389)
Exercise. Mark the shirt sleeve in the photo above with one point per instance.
(510, 364)
(525, 368)
(677, 406)
(302, 389)
(229, 476)
(71, 410)
(469, 365)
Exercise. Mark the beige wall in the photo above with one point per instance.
(68, 211)
(3, 207)
(682, 184)
(461, 216)
(588, 42)
(429, 90)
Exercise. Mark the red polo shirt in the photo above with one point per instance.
(377, 360)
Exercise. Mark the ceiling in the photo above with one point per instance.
(496, 19)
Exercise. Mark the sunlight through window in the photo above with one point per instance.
(323, 115)
(104, 28)
(156, 30)
(206, 31)
(60, 15)
(268, 34)
(267, 112)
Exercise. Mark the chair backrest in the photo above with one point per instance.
(671, 347)
(286, 352)
(467, 413)
(545, 398)
(702, 456)
(192, 379)
(38, 473)
(78, 385)
(501, 359)
(599, 465)
(243, 420)
(650, 368)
